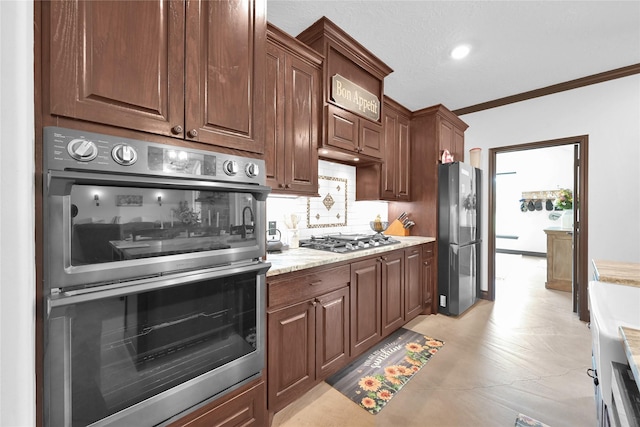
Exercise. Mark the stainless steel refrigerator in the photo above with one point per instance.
(459, 237)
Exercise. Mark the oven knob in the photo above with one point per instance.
(124, 154)
(83, 150)
(252, 170)
(230, 167)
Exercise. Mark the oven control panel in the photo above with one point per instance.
(69, 149)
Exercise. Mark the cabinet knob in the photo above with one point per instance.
(287, 186)
(176, 130)
(280, 185)
(314, 303)
(192, 133)
(383, 258)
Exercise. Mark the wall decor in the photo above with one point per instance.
(128, 200)
(330, 209)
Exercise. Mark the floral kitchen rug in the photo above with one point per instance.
(373, 379)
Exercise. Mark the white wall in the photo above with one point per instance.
(521, 173)
(359, 214)
(609, 114)
(17, 249)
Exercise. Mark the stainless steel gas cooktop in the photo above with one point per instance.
(342, 243)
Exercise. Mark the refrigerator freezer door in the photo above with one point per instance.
(458, 286)
(457, 203)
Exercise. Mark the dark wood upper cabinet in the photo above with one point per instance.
(293, 114)
(160, 66)
(389, 180)
(348, 134)
(433, 129)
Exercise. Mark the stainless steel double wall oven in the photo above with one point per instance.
(154, 283)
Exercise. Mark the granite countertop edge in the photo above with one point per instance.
(302, 258)
(631, 340)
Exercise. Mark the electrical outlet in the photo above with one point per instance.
(443, 300)
(272, 228)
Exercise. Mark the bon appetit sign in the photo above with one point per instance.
(352, 97)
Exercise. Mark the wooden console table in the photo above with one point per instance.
(559, 258)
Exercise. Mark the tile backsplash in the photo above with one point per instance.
(311, 214)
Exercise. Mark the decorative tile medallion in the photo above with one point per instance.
(330, 209)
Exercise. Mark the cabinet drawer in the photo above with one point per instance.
(294, 289)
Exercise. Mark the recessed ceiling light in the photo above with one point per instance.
(461, 51)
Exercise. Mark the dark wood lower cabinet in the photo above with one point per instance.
(429, 280)
(307, 331)
(413, 282)
(332, 332)
(246, 406)
(321, 320)
(366, 291)
(291, 353)
(392, 291)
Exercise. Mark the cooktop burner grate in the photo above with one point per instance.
(342, 243)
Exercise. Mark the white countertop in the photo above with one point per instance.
(302, 258)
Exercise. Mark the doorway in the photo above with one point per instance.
(580, 217)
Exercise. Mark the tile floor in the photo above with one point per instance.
(527, 352)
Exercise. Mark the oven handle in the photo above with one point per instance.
(67, 298)
(59, 183)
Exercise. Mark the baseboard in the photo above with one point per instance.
(517, 252)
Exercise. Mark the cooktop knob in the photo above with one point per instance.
(83, 150)
(124, 154)
(230, 167)
(252, 170)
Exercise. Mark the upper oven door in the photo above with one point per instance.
(102, 227)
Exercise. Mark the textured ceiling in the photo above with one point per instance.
(517, 46)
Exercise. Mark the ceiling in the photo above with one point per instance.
(516, 46)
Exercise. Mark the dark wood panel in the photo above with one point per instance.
(365, 305)
(107, 68)
(225, 88)
(291, 353)
(371, 139)
(246, 407)
(303, 124)
(274, 149)
(413, 284)
(332, 332)
(342, 129)
(290, 290)
(392, 292)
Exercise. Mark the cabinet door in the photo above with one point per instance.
(365, 305)
(413, 282)
(392, 291)
(370, 143)
(458, 144)
(403, 163)
(225, 73)
(429, 279)
(390, 166)
(118, 63)
(274, 146)
(332, 332)
(446, 137)
(302, 126)
(342, 129)
(291, 353)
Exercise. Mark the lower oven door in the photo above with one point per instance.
(139, 354)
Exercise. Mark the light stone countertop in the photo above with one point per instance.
(623, 273)
(631, 338)
(302, 258)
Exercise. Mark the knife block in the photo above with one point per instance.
(396, 229)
